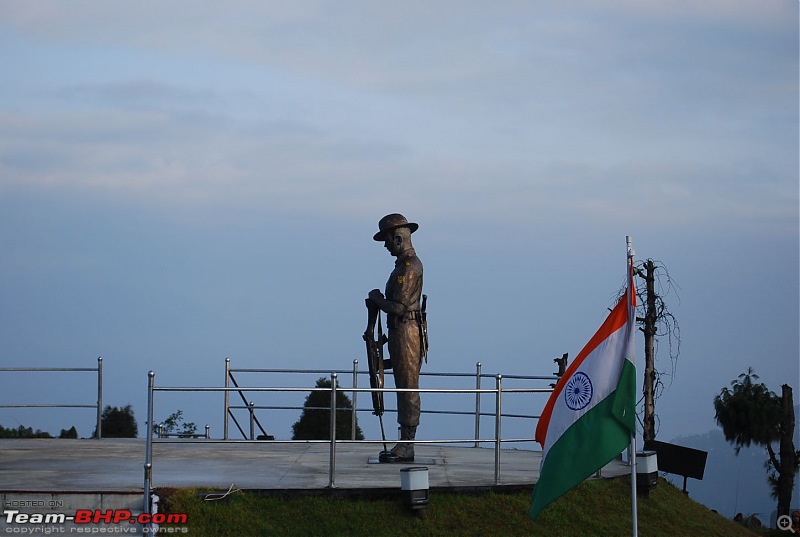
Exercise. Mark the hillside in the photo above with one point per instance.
(598, 508)
(734, 483)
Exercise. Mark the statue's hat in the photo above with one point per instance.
(393, 221)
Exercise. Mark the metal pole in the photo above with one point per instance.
(634, 508)
(227, 397)
(477, 404)
(252, 420)
(498, 414)
(632, 447)
(99, 433)
(148, 453)
(208, 432)
(355, 394)
(333, 433)
(148, 474)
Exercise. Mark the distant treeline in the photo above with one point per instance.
(28, 432)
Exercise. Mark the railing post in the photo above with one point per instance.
(148, 474)
(332, 470)
(148, 452)
(252, 420)
(497, 432)
(99, 433)
(477, 403)
(355, 404)
(227, 397)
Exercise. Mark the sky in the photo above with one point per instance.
(182, 182)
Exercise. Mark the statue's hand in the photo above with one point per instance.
(376, 295)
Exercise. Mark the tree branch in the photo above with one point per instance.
(773, 458)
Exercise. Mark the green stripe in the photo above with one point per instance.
(589, 444)
(624, 407)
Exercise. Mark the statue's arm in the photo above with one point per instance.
(404, 293)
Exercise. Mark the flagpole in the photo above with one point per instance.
(633, 487)
(632, 450)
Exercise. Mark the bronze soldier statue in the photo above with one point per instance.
(407, 334)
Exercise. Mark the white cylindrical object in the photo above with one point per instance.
(646, 462)
(646, 472)
(414, 478)
(414, 486)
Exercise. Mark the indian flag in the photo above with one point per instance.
(591, 414)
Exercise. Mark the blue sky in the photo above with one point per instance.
(180, 183)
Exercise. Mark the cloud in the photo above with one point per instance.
(502, 112)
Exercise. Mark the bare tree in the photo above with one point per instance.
(656, 322)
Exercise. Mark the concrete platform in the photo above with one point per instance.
(117, 465)
(55, 478)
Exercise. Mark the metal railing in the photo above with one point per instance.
(353, 391)
(98, 405)
(497, 393)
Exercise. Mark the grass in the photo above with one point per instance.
(595, 508)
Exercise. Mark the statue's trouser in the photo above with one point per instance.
(404, 350)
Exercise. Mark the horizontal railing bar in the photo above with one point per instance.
(310, 371)
(259, 407)
(466, 413)
(381, 390)
(18, 369)
(527, 390)
(519, 377)
(389, 410)
(201, 440)
(48, 406)
(422, 373)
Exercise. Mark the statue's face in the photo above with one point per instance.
(394, 243)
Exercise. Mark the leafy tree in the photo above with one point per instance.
(23, 432)
(175, 424)
(118, 422)
(750, 413)
(72, 432)
(315, 421)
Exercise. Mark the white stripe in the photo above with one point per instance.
(603, 367)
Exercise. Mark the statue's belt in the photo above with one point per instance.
(413, 315)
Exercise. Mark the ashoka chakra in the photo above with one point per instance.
(578, 392)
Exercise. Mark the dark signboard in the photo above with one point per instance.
(679, 460)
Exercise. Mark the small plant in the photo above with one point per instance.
(174, 424)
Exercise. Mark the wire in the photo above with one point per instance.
(215, 497)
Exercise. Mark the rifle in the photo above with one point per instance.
(423, 329)
(375, 360)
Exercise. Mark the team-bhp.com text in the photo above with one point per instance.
(20, 523)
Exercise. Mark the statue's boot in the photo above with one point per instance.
(401, 452)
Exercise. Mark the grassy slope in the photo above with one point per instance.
(594, 508)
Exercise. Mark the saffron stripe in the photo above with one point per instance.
(615, 320)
